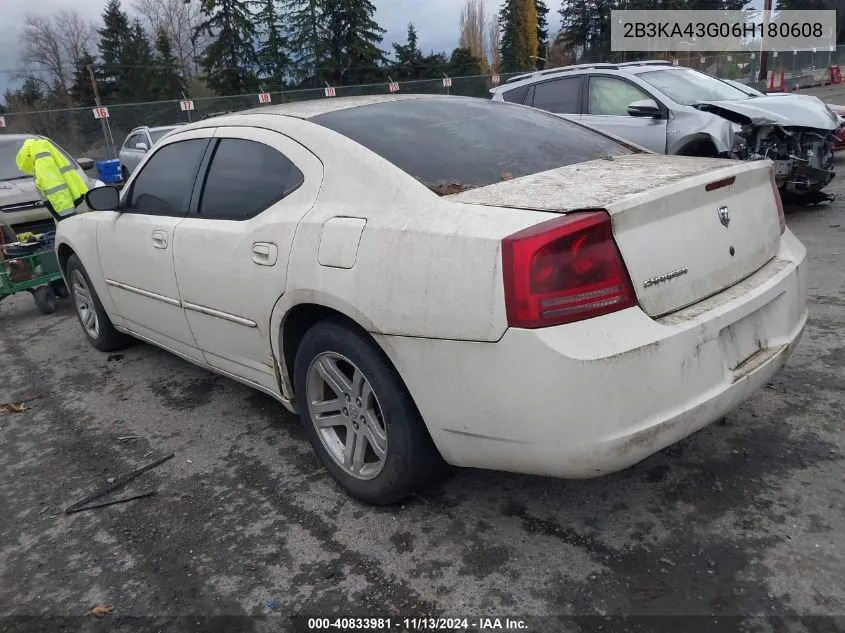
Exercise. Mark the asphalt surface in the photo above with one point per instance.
(743, 522)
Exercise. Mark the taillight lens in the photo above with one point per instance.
(778, 201)
(564, 270)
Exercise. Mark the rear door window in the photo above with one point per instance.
(245, 178)
(560, 96)
(165, 184)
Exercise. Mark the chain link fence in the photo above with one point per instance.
(82, 135)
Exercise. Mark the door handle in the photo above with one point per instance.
(159, 239)
(265, 253)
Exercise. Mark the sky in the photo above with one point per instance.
(436, 22)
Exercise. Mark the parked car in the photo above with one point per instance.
(676, 110)
(837, 110)
(21, 206)
(431, 279)
(136, 145)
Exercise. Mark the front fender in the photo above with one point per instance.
(692, 127)
(79, 234)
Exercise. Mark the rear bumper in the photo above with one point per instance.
(589, 398)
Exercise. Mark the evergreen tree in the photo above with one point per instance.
(586, 24)
(167, 83)
(81, 91)
(273, 57)
(519, 35)
(352, 39)
(409, 62)
(137, 66)
(435, 65)
(542, 31)
(30, 93)
(113, 38)
(307, 38)
(463, 63)
(230, 61)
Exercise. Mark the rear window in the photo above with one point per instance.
(468, 142)
(157, 135)
(517, 95)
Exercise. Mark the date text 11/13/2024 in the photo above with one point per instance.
(411, 625)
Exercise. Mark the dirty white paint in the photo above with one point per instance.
(339, 242)
(594, 184)
(426, 281)
(588, 398)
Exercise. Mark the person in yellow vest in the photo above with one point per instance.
(55, 177)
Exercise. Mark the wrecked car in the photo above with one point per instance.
(675, 110)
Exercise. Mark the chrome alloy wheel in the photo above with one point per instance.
(84, 304)
(346, 415)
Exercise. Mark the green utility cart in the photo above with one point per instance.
(32, 267)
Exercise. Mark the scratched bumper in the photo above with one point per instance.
(589, 398)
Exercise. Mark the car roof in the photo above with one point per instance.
(316, 107)
(154, 128)
(631, 68)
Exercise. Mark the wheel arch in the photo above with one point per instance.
(293, 320)
(63, 252)
(295, 312)
(699, 145)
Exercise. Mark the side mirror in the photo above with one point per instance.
(85, 163)
(103, 198)
(141, 146)
(645, 108)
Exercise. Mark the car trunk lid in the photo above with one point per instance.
(687, 228)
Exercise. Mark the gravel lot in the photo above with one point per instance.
(744, 520)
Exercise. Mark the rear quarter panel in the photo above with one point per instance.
(424, 267)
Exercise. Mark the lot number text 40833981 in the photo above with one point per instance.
(411, 625)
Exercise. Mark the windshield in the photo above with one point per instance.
(458, 143)
(688, 87)
(8, 169)
(9, 152)
(157, 134)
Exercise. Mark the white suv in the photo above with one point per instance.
(138, 142)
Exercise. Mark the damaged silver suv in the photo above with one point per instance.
(674, 110)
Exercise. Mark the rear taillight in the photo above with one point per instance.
(564, 270)
(778, 201)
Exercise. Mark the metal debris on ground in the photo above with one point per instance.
(126, 438)
(82, 504)
(103, 504)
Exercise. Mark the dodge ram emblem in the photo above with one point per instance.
(724, 216)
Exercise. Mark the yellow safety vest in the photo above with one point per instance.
(55, 177)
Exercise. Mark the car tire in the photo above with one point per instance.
(60, 288)
(45, 299)
(124, 174)
(93, 318)
(375, 408)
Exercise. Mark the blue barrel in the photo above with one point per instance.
(108, 171)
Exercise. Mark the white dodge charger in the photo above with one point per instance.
(440, 280)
